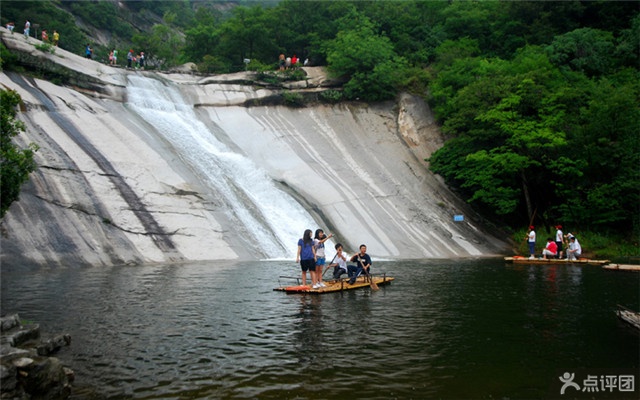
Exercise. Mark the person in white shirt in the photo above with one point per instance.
(318, 243)
(575, 250)
(531, 240)
(559, 240)
(340, 262)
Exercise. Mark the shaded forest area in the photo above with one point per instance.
(539, 100)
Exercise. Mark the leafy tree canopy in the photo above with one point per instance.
(15, 164)
(538, 99)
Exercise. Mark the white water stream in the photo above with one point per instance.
(272, 219)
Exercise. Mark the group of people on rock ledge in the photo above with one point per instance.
(312, 258)
(44, 35)
(555, 246)
(285, 62)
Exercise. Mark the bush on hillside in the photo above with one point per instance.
(15, 164)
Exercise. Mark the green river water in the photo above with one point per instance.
(450, 329)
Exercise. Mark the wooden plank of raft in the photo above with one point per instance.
(335, 286)
(526, 260)
(623, 267)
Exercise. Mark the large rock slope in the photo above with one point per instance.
(109, 190)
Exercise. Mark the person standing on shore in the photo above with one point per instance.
(27, 27)
(56, 37)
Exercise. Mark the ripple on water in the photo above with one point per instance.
(205, 331)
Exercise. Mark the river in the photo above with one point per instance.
(443, 329)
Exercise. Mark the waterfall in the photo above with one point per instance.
(271, 219)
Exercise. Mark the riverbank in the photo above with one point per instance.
(595, 245)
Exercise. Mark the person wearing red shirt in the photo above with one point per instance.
(550, 250)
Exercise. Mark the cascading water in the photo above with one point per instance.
(271, 218)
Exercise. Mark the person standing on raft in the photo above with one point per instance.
(307, 257)
(318, 243)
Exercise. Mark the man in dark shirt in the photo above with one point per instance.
(363, 264)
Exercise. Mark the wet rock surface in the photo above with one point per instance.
(27, 368)
(111, 189)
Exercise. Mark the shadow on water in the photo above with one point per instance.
(444, 329)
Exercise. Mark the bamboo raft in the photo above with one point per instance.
(526, 260)
(334, 286)
(628, 316)
(623, 267)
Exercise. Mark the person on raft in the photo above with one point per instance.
(550, 250)
(363, 264)
(575, 250)
(318, 243)
(340, 264)
(307, 257)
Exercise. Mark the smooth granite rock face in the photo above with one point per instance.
(113, 187)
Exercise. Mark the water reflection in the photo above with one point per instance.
(465, 329)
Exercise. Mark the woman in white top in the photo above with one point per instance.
(559, 240)
(318, 243)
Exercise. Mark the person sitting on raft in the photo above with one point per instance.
(364, 264)
(340, 264)
(550, 250)
(575, 250)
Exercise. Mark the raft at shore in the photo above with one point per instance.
(623, 267)
(526, 260)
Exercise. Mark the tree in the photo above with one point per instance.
(529, 137)
(507, 122)
(48, 16)
(628, 50)
(607, 143)
(164, 44)
(586, 50)
(366, 59)
(201, 40)
(246, 35)
(304, 26)
(414, 27)
(15, 164)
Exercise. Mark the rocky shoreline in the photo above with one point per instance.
(27, 368)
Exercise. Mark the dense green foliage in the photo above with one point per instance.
(15, 164)
(539, 100)
(46, 15)
(549, 135)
